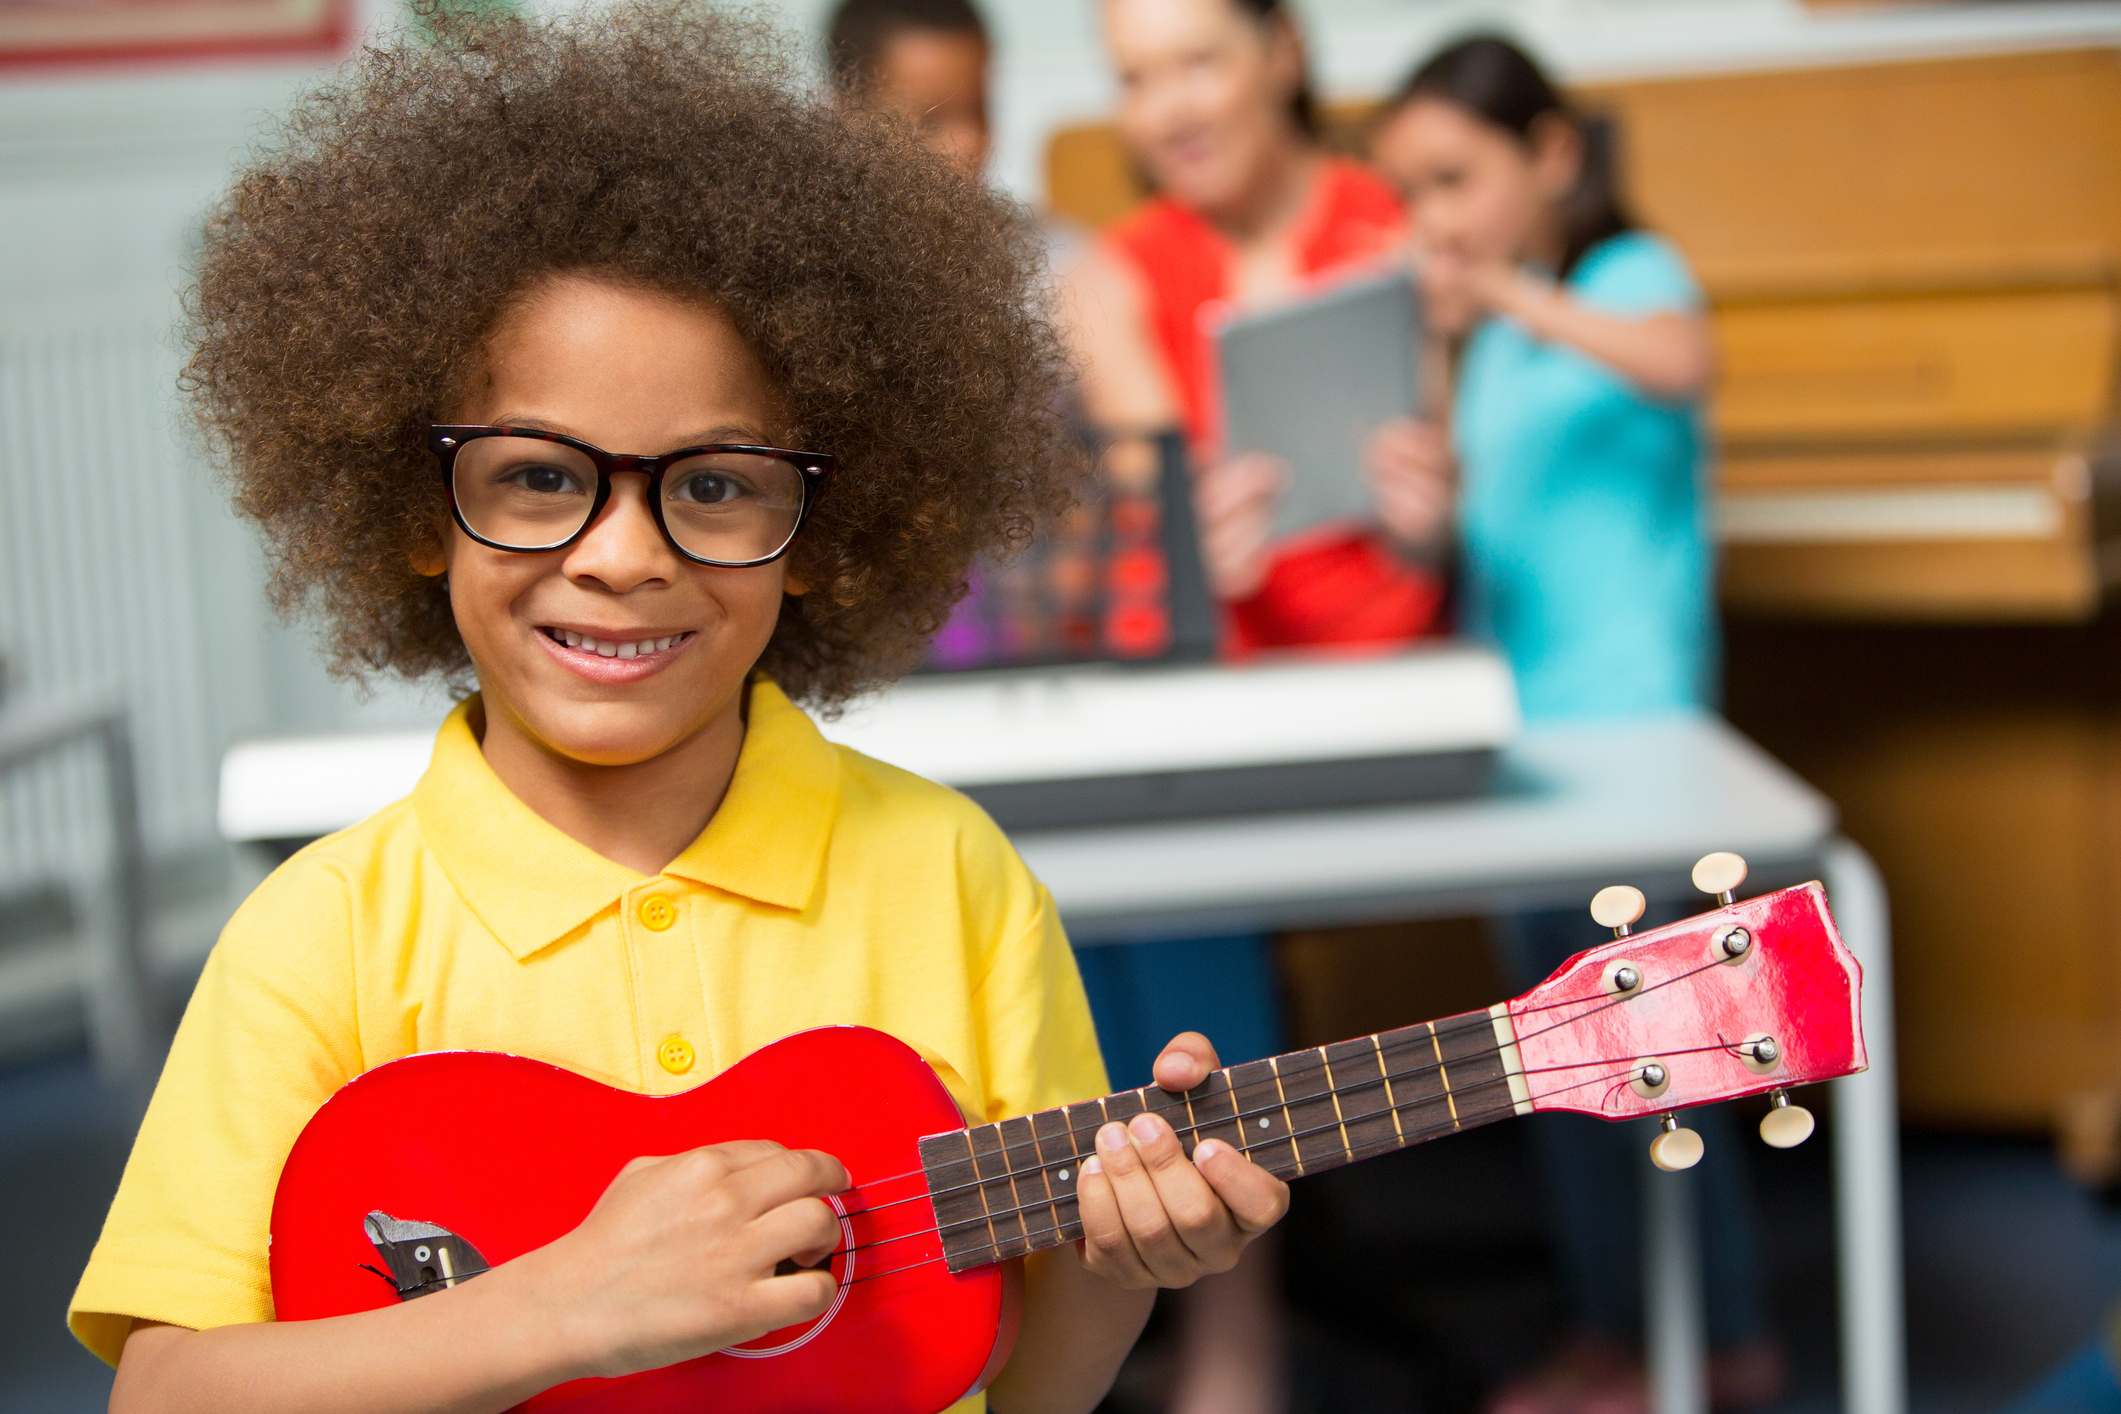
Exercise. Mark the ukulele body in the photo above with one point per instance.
(508, 1154)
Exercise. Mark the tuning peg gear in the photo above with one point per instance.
(1719, 874)
(1785, 1126)
(1675, 1148)
(1617, 906)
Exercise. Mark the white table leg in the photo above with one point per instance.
(1867, 1154)
(1674, 1326)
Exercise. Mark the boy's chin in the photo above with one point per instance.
(617, 734)
(611, 733)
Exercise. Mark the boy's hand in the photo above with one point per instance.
(1151, 1217)
(677, 1259)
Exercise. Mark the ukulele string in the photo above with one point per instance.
(1388, 1077)
(1269, 1143)
(1371, 1149)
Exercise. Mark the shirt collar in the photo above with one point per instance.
(531, 885)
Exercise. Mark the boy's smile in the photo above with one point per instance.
(615, 666)
(614, 655)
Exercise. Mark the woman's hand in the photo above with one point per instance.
(677, 1258)
(1151, 1217)
(1410, 468)
(1236, 500)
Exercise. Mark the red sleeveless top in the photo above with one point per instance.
(1346, 591)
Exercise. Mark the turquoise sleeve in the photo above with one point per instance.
(1635, 273)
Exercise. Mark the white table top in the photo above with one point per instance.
(1574, 808)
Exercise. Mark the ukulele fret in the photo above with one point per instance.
(997, 1189)
(1256, 1106)
(1367, 1119)
(1034, 1190)
(1309, 1102)
(1058, 1160)
(1443, 1074)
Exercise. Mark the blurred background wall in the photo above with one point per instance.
(121, 570)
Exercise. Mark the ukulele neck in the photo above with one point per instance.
(1008, 1189)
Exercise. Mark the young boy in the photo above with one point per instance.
(925, 60)
(448, 338)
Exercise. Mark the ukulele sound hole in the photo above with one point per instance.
(788, 1266)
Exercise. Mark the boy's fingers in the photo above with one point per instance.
(1108, 1249)
(1185, 1062)
(742, 1153)
(805, 1229)
(799, 1296)
(1256, 1199)
(786, 1176)
(1150, 1223)
(1198, 1217)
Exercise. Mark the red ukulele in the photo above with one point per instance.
(430, 1170)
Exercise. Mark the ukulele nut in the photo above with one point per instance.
(1650, 1079)
(1761, 1053)
(1622, 978)
(1734, 944)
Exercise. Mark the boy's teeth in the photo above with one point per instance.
(606, 648)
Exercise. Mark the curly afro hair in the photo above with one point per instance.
(350, 277)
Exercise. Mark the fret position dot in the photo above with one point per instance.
(1262, 1124)
(1063, 1175)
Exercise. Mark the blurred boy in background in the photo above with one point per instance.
(925, 60)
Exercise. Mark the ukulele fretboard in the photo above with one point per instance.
(1004, 1190)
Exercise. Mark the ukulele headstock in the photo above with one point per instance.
(1755, 996)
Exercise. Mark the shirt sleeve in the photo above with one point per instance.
(1636, 273)
(268, 1036)
(1038, 1048)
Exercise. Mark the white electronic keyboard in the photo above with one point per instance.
(1052, 748)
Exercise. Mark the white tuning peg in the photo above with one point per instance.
(1616, 906)
(1675, 1148)
(1786, 1125)
(1719, 874)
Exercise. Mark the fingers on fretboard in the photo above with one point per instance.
(1008, 1189)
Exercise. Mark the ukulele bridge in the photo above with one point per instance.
(423, 1257)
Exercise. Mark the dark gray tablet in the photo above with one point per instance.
(1311, 381)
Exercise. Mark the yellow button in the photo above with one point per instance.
(675, 1054)
(657, 912)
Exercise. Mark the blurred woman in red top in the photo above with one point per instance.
(1249, 210)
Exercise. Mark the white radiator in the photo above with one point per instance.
(99, 589)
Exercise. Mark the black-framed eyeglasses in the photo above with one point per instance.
(526, 490)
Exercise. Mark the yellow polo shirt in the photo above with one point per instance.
(828, 889)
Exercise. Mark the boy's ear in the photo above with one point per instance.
(796, 585)
(427, 558)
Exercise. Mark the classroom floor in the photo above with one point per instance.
(1416, 1279)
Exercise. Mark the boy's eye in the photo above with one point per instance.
(543, 478)
(707, 488)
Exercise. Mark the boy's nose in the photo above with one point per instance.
(624, 548)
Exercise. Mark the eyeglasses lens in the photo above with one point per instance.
(530, 494)
(522, 492)
(731, 506)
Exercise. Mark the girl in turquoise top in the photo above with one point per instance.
(1578, 355)
(1581, 354)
